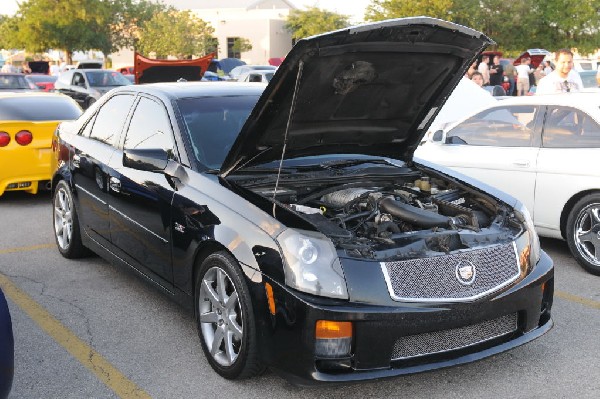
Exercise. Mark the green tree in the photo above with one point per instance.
(386, 9)
(173, 32)
(314, 21)
(126, 18)
(570, 24)
(73, 25)
(515, 26)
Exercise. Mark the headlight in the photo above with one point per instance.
(528, 244)
(311, 264)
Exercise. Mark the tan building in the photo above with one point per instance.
(259, 21)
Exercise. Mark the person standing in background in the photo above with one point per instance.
(8, 67)
(548, 68)
(510, 72)
(477, 77)
(54, 69)
(523, 72)
(563, 79)
(496, 72)
(485, 69)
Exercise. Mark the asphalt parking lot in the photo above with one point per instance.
(86, 329)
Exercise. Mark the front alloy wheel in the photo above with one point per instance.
(221, 316)
(583, 230)
(225, 318)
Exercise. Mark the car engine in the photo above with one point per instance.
(404, 215)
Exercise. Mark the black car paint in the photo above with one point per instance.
(164, 223)
(217, 218)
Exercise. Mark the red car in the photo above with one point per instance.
(44, 82)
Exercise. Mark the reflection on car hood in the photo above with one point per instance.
(370, 89)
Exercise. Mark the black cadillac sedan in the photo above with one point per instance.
(295, 222)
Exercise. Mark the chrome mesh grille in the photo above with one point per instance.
(435, 278)
(456, 338)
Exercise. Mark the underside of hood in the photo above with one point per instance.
(371, 89)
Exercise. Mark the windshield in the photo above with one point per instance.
(38, 108)
(213, 124)
(106, 79)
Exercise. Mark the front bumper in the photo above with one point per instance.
(287, 338)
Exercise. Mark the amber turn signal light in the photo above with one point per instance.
(326, 329)
(270, 298)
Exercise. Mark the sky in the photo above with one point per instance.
(353, 8)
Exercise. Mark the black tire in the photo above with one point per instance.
(583, 232)
(89, 102)
(66, 223)
(224, 320)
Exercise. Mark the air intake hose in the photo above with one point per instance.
(413, 215)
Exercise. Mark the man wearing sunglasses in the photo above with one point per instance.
(563, 79)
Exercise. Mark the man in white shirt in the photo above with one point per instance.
(523, 71)
(54, 69)
(8, 68)
(563, 79)
(484, 68)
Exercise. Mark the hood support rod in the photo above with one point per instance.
(287, 128)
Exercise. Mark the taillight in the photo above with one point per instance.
(24, 137)
(4, 139)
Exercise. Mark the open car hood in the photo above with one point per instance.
(371, 89)
(147, 70)
(536, 55)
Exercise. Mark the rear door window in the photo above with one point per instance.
(567, 127)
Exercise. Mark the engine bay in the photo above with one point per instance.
(389, 212)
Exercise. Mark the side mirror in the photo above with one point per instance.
(438, 135)
(150, 160)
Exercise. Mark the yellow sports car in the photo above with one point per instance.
(27, 123)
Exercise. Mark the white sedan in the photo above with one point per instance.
(543, 150)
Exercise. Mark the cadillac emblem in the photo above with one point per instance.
(465, 272)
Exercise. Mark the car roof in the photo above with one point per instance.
(570, 99)
(31, 94)
(175, 90)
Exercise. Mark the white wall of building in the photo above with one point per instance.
(262, 27)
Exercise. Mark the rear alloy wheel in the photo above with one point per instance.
(66, 223)
(583, 232)
(225, 318)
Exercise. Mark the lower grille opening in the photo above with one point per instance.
(456, 338)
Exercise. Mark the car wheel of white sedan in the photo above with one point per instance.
(66, 223)
(225, 318)
(583, 232)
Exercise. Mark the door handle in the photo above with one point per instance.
(115, 184)
(76, 160)
(521, 162)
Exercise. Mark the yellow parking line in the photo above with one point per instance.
(87, 356)
(25, 249)
(574, 298)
